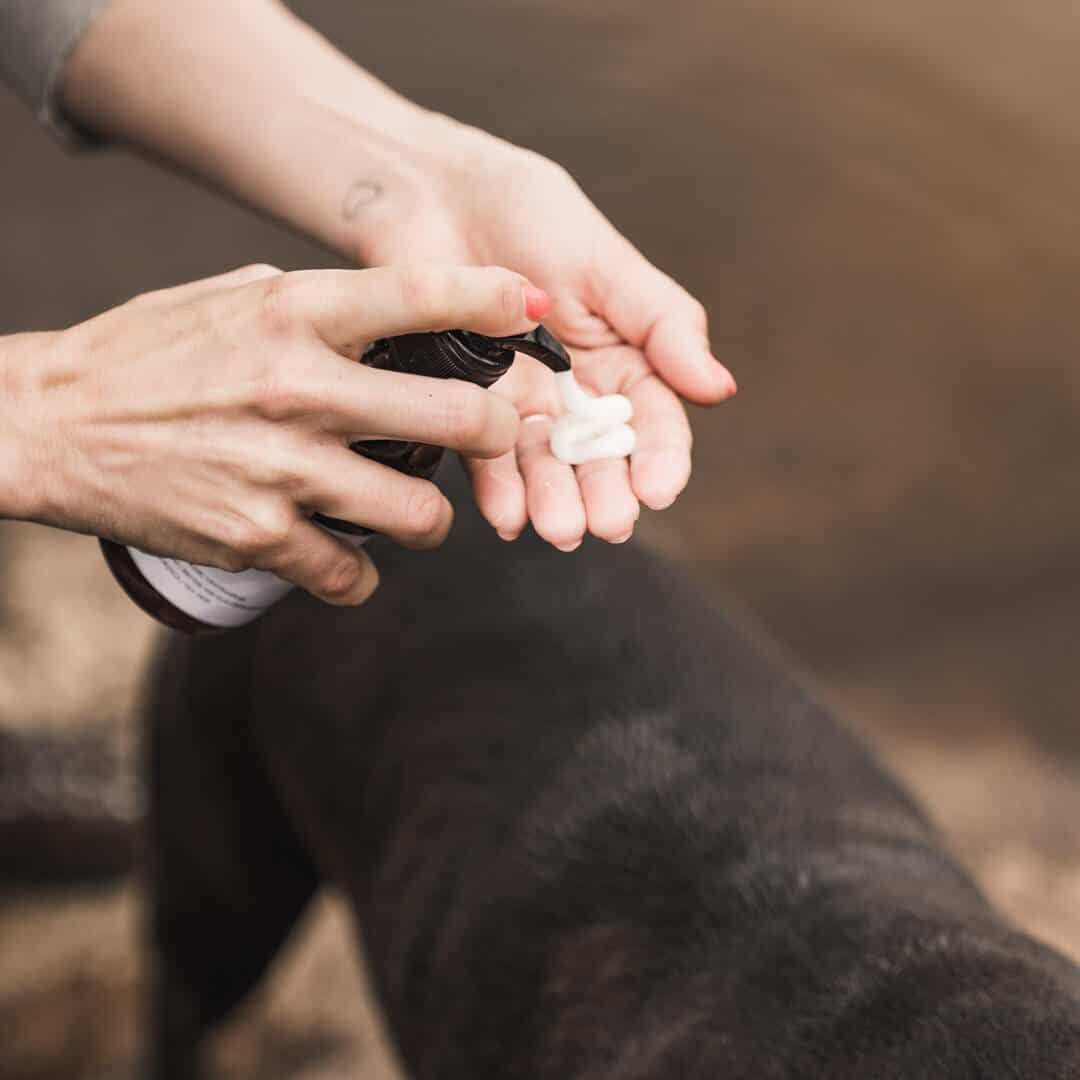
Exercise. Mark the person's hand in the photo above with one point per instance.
(207, 422)
(631, 329)
(398, 184)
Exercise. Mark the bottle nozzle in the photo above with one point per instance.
(540, 344)
(543, 346)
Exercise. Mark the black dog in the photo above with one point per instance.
(588, 831)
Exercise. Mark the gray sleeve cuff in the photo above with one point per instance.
(36, 39)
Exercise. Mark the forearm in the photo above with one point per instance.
(244, 94)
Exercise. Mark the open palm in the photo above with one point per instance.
(631, 329)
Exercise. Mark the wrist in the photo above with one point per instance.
(390, 164)
(21, 437)
(436, 180)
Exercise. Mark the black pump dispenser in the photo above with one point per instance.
(460, 354)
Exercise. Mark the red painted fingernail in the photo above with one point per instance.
(537, 302)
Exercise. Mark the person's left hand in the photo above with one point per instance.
(631, 329)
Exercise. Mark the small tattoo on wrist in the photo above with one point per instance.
(361, 193)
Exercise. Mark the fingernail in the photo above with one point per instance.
(507, 535)
(624, 538)
(537, 302)
(569, 547)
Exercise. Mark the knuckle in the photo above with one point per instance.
(340, 579)
(423, 510)
(558, 171)
(279, 389)
(532, 164)
(143, 300)
(278, 304)
(260, 270)
(261, 533)
(278, 459)
(278, 397)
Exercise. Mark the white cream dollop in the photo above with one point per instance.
(590, 427)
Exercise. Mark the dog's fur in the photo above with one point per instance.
(589, 832)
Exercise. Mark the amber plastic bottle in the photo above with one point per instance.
(203, 599)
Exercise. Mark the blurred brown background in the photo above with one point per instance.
(880, 205)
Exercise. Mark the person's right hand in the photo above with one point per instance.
(207, 422)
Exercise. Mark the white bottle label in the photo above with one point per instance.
(214, 596)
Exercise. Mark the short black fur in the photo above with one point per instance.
(589, 832)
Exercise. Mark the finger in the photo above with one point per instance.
(244, 275)
(551, 488)
(611, 508)
(660, 462)
(498, 486)
(353, 400)
(347, 486)
(346, 306)
(656, 314)
(500, 493)
(325, 566)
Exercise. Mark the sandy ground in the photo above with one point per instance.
(879, 205)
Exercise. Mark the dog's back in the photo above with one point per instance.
(588, 831)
